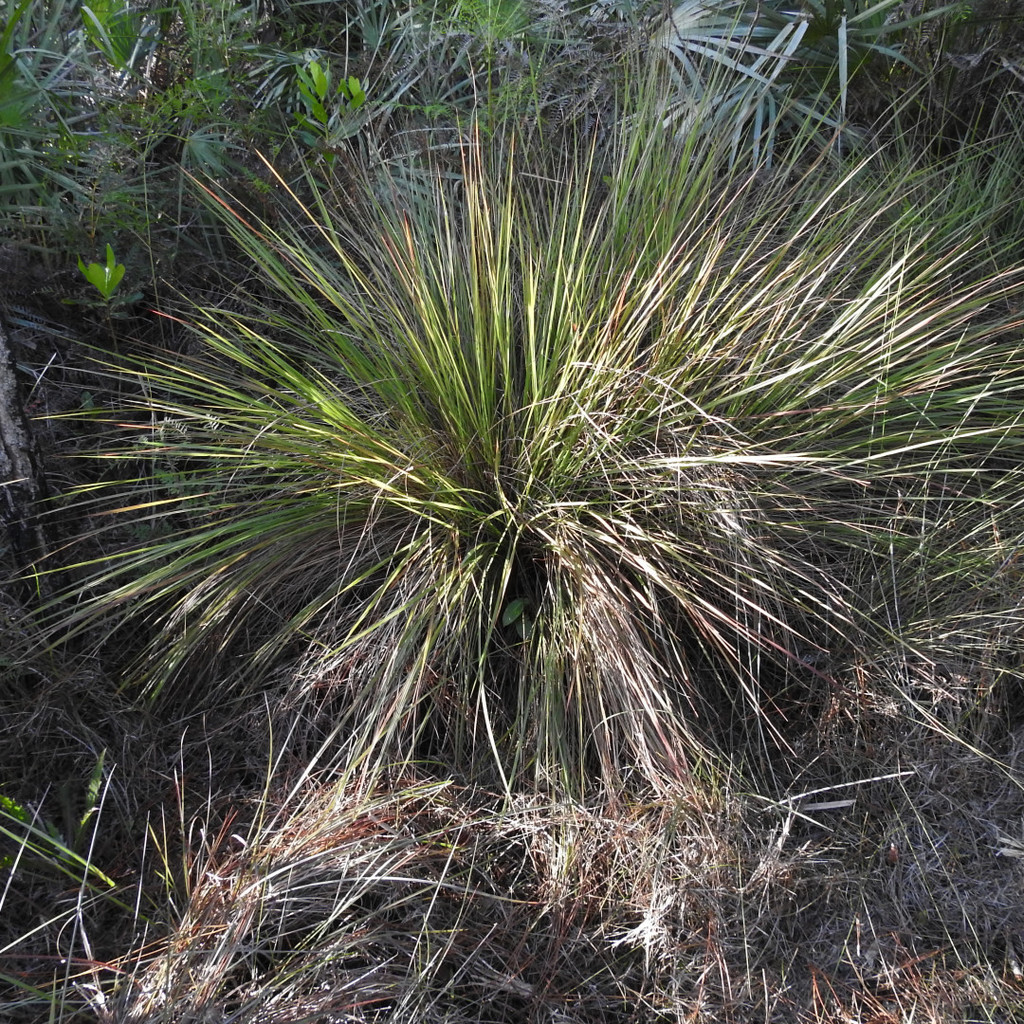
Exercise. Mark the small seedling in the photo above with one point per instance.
(327, 115)
(104, 279)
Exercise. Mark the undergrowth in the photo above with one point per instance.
(550, 566)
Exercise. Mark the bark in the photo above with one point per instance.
(22, 485)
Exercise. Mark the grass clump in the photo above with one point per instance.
(597, 462)
(559, 566)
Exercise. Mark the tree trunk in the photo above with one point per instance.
(22, 485)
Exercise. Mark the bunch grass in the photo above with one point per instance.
(584, 468)
(597, 461)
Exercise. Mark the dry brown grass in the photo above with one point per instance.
(871, 875)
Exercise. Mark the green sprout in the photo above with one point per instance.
(104, 278)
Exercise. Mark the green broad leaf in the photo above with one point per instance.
(514, 611)
(318, 78)
(104, 278)
(312, 104)
(355, 94)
